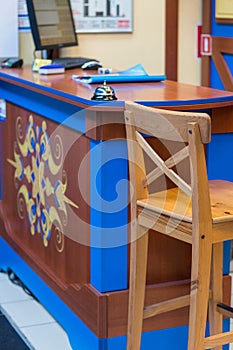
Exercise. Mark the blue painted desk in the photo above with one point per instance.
(64, 203)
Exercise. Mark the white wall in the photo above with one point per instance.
(189, 66)
(146, 45)
(9, 29)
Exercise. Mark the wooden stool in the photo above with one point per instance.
(199, 212)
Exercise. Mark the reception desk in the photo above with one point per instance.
(64, 203)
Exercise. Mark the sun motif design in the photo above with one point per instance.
(35, 166)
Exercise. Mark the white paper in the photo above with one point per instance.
(23, 19)
(102, 16)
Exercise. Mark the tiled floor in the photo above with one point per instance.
(35, 325)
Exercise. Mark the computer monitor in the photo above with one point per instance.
(52, 25)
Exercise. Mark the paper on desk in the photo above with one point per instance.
(134, 74)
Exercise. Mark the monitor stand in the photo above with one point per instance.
(50, 54)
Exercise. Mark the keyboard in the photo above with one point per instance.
(72, 62)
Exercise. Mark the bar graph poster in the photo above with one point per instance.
(102, 16)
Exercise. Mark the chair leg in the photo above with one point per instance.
(138, 265)
(200, 284)
(215, 317)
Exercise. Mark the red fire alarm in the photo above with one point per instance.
(206, 45)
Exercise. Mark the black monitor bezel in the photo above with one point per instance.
(35, 31)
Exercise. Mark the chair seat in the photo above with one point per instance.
(176, 204)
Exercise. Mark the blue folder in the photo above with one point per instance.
(134, 74)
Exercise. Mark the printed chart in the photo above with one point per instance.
(99, 16)
(91, 16)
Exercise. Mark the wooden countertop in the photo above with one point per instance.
(167, 93)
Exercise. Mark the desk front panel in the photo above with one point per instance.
(43, 208)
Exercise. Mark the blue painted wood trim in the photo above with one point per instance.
(219, 151)
(180, 103)
(109, 215)
(59, 111)
(31, 84)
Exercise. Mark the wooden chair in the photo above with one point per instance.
(198, 211)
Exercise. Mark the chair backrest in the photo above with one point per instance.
(190, 130)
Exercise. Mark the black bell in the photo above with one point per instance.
(104, 93)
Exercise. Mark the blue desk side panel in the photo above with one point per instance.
(109, 215)
(220, 157)
(220, 166)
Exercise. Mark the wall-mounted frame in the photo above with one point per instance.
(102, 16)
(224, 11)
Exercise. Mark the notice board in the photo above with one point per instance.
(224, 9)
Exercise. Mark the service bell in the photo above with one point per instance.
(104, 93)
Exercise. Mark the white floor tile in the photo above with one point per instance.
(47, 337)
(10, 293)
(31, 319)
(27, 313)
(3, 276)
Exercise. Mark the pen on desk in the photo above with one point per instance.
(81, 77)
(87, 77)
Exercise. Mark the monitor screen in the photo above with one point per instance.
(52, 24)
